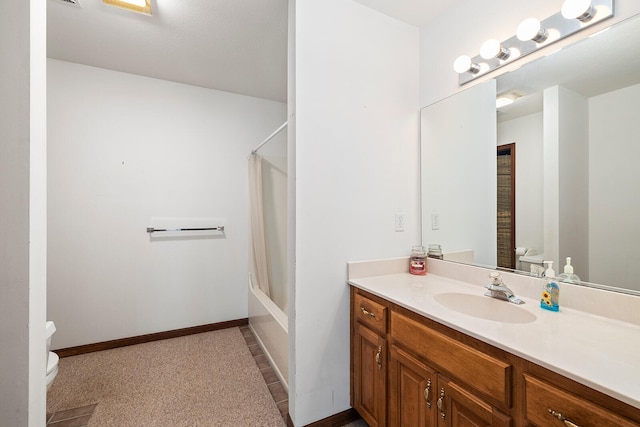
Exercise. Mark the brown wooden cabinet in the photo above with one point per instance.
(412, 389)
(407, 370)
(459, 407)
(369, 362)
(551, 405)
(420, 397)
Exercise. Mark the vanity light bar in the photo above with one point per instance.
(570, 20)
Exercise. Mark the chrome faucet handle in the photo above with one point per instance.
(496, 281)
(497, 289)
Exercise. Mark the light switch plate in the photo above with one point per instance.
(399, 221)
(435, 221)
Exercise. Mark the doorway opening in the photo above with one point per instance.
(506, 205)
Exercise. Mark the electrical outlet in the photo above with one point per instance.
(399, 221)
(435, 221)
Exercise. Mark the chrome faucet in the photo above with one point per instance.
(497, 289)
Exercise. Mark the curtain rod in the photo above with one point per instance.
(277, 131)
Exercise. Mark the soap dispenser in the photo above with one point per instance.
(568, 275)
(550, 291)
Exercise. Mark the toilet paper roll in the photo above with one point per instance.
(521, 251)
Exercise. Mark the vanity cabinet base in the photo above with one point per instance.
(412, 371)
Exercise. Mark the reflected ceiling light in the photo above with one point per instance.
(508, 97)
(582, 10)
(503, 101)
(140, 6)
(493, 49)
(531, 29)
(463, 63)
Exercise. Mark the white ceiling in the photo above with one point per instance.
(415, 12)
(238, 46)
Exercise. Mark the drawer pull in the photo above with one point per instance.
(562, 418)
(379, 357)
(441, 404)
(367, 312)
(427, 392)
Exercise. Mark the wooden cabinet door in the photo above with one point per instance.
(412, 386)
(458, 407)
(369, 369)
(548, 405)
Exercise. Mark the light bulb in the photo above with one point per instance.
(531, 29)
(463, 63)
(582, 10)
(493, 49)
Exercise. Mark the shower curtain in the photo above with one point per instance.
(258, 232)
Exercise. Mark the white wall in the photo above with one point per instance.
(526, 133)
(574, 182)
(22, 213)
(614, 205)
(463, 27)
(124, 149)
(356, 150)
(565, 162)
(458, 156)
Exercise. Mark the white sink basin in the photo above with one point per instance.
(485, 307)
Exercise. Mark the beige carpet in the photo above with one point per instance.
(207, 379)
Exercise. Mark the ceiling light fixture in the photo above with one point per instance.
(533, 34)
(507, 98)
(493, 49)
(582, 10)
(503, 101)
(463, 63)
(140, 6)
(531, 29)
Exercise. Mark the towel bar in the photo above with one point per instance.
(153, 230)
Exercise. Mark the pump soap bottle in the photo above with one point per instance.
(551, 291)
(568, 275)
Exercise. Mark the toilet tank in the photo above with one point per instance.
(532, 263)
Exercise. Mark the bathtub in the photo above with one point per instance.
(270, 327)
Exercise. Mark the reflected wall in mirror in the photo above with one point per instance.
(577, 179)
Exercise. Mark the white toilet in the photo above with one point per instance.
(532, 262)
(52, 358)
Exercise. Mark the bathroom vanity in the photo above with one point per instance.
(434, 351)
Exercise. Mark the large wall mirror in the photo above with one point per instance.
(555, 174)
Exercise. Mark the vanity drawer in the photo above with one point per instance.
(542, 397)
(370, 313)
(488, 375)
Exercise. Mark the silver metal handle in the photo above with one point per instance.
(562, 418)
(379, 357)
(367, 312)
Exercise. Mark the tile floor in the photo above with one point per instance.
(79, 417)
(278, 392)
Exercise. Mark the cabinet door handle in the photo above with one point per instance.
(427, 391)
(562, 418)
(367, 312)
(441, 404)
(379, 357)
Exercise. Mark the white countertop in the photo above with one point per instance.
(598, 352)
